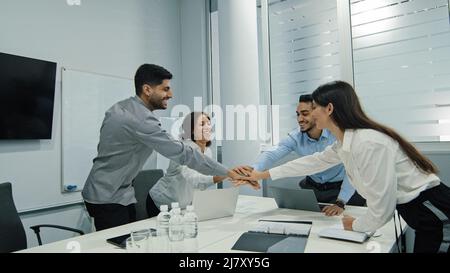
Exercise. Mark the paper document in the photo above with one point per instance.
(283, 228)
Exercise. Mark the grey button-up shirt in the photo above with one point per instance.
(129, 134)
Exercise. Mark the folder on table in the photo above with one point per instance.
(276, 237)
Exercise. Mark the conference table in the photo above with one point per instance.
(219, 235)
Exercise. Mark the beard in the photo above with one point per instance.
(307, 129)
(158, 103)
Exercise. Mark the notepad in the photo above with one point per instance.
(339, 233)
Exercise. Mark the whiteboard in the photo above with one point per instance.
(85, 99)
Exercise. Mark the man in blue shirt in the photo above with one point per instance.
(331, 186)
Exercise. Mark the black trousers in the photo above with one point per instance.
(111, 215)
(420, 214)
(328, 192)
(152, 209)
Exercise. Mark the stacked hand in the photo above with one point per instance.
(241, 176)
(243, 170)
(247, 175)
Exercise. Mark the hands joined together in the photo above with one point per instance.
(244, 175)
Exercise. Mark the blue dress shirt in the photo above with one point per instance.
(303, 145)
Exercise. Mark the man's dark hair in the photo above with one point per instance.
(150, 74)
(306, 98)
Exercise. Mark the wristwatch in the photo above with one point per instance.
(340, 204)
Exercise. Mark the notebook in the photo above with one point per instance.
(338, 233)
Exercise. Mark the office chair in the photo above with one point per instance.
(12, 232)
(142, 184)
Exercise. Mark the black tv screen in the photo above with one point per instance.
(27, 93)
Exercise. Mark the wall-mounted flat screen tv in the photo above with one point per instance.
(27, 93)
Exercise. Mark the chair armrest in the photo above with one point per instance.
(37, 230)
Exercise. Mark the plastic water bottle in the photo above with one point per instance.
(163, 221)
(176, 227)
(174, 206)
(162, 232)
(190, 223)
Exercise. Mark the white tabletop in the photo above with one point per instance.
(219, 235)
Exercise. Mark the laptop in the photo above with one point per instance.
(301, 199)
(213, 204)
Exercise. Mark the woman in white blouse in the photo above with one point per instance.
(180, 182)
(388, 171)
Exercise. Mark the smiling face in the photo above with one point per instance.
(304, 117)
(322, 115)
(159, 95)
(202, 129)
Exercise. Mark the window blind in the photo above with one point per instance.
(304, 52)
(401, 54)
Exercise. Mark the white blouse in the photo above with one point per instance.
(377, 168)
(180, 182)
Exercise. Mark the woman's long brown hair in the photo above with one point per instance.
(348, 114)
(188, 126)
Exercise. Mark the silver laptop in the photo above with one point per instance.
(300, 199)
(212, 204)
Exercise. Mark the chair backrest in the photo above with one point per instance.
(142, 184)
(12, 233)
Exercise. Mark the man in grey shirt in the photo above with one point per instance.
(129, 134)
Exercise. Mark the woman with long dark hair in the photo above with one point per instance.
(388, 171)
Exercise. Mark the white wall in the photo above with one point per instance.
(194, 48)
(239, 75)
(194, 53)
(105, 36)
